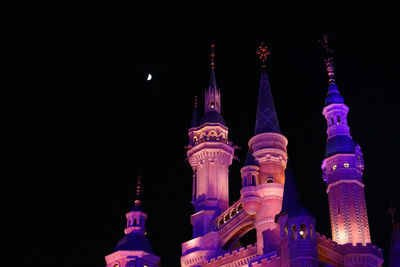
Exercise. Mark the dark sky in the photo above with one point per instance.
(79, 121)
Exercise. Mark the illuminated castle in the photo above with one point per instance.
(285, 230)
(269, 205)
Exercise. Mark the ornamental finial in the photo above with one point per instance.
(212, 56)
(263, 52)
(328, 59)
(138, 190)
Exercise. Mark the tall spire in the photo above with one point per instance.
(212, 94)
(138, 190)
(266, 120)
(333, 95)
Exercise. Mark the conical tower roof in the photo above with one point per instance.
(266, 119)
(212, 97)
(291, 203)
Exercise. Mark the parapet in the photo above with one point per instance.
(362, 249)
(331, 252)
(234, 258)
(270, 260)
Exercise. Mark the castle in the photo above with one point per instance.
(269, 204)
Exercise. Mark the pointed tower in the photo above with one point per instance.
(268, 147)
(342, 170)
(134, 249)
(210, 154)
(297, 229)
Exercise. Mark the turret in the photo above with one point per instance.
(268, 147)
(250, 175)
(134, 248)
(342, 170)
(297, 229)
(210, 154)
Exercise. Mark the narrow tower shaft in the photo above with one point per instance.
(343, 170)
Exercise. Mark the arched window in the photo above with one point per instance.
(253, 180)
(338, 120)
(240, 207)
(269, 180)
(233, 212)
(134, 222)
(303, 231)
(294, 232)
(221, 222)
(227, 217)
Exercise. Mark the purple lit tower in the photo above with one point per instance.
(269, 206)
(268, 215)
(342, 171)
(134, 249)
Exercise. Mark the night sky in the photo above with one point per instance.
(79, 121)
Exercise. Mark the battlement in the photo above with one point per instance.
(326, 240)
(333, 253)
(271, 259)
(358, 248)
(362, 249)
(234, 258)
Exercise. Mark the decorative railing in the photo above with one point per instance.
(228, 214)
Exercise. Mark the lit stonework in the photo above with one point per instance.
(269, 211)
(285, 232)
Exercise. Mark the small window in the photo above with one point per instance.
(240, 207)
(134, 222)
(227, 217)
(221, 222)
(332, 121)
(303, 231)
(253, 180)
(334, 167)
(233, 212)
(339, 120)
(294, 232)
(269, 180)
(346, 164)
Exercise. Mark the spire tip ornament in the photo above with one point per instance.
(263, 52)
(328, 59)
(212, 56)
(138, 190)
